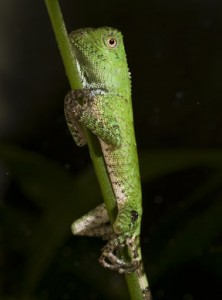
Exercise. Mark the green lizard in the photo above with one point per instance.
(104, 107)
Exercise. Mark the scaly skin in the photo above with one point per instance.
(104, 107)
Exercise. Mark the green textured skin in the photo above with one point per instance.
(104, 71)
(104, 107)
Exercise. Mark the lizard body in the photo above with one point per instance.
(104, 107)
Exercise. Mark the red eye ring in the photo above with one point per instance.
(112, 42)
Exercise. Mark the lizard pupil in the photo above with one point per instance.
(112, 42)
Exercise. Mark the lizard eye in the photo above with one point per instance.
(111, 42)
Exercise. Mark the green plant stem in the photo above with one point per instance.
(94, 147)
(75, 83)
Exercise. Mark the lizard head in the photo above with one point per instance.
(101, 58)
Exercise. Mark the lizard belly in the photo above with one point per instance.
(123, 173)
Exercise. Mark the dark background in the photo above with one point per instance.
(174, 51)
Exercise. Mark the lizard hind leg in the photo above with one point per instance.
(110, 256)
(94, 223)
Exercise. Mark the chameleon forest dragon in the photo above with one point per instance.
(104, 107)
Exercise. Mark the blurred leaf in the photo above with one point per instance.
(178, 214)
(59, 195)
(159, 163)
(63, 198)
(191, 241)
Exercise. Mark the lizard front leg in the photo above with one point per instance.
(87, 113)
(74, 125)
